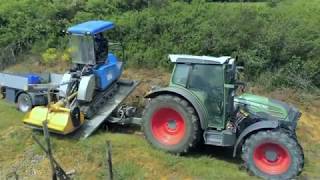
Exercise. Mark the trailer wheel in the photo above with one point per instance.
(24, 102)
(2, 93)
(170, 124)
(272, 155)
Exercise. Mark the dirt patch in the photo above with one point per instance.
(309, 127)
(148, 79)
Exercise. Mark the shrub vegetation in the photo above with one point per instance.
(278, 42)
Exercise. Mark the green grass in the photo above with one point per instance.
(8, 115)
(133, 157)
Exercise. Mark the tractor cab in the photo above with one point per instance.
(211, 80)
(88, 44)
(89, 48)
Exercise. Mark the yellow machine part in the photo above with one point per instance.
(59, 121)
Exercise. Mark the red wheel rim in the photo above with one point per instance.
(168, 126)
(272, 158)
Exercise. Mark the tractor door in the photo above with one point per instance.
(207, 83)
(229, 91)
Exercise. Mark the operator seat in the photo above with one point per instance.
(101, 48)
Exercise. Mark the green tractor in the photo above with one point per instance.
(200, 105)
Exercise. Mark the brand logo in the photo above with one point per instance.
(109, 76)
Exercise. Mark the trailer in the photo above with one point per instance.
(27, 90)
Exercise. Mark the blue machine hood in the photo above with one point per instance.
(91, 27)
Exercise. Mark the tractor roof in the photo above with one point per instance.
(179, 58)
(91, 27)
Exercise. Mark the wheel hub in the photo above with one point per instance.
(172, 124)
(271, 158)
(271, 155)
(24, 103)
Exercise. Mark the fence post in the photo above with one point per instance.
(109, 160)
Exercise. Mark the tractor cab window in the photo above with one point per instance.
(207, 82)
(180, 75)
(101, 48)
(82, 49)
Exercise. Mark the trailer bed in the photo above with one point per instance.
(20, 81)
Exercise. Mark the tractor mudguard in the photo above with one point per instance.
(187, 96)
(254, 127)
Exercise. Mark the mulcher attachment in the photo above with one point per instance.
(61, 119)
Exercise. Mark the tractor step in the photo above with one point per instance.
(219, 138)
(124, 89)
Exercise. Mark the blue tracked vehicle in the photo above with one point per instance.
(91, 90)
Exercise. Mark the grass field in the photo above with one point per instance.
(133, 157)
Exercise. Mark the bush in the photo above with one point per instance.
(52, 56)
(276, 40)
(280, 39)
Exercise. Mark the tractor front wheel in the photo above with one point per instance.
(272, 155)
(170, 123)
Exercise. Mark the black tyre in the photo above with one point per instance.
(24, 102)
(75, 117)
(302, 155)
(2, 93)
(273, 155)
(170, 123)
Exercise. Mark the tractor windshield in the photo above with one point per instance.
(82, 49)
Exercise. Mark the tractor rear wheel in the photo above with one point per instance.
(170, 123)
(272, 155)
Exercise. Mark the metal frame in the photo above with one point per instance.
(104, 114)
(13, 81)
(15, 84)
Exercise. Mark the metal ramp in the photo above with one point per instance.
(125, 88)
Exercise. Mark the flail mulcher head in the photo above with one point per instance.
(61, 119)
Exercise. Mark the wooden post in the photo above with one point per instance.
(13, 55)
(109, 160)
(47, 139)
(58, 170)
